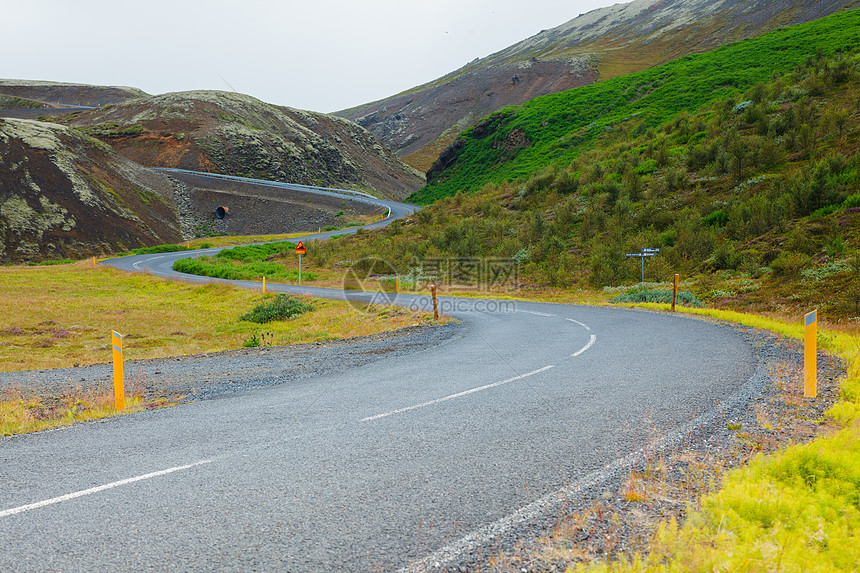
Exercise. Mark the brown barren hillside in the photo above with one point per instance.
(602, 44)
(65, 195)
(237, 134)
(68, 93)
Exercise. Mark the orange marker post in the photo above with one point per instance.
(435, 306)
(118, 378)
(675, 292)
(264, 285)
(810, 355)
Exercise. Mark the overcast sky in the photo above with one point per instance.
(321, 55)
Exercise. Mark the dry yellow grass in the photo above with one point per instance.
(54, 317)
(20, 415)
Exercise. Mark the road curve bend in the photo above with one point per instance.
(413, 462)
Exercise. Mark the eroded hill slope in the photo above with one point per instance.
(237, 134)
(66, 195)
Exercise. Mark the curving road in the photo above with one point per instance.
(411, 462)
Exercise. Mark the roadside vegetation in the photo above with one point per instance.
(251, 262)
(792, 510)
(754, 199)
(516, 142)
(62, 315)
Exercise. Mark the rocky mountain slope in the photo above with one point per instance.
(68, 93)
(66, 195)
(239, 135)
(602, 44)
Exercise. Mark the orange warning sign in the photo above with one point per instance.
(300, 248)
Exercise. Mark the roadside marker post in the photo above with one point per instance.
(435, 306)
(300, 250)
(118, 378)
(810, 355)
(675, 292)
(397, 283)
(264, 285)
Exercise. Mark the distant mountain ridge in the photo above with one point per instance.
(68, 93)
(236, 134)
(602, 44)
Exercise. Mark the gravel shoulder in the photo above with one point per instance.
(210, 375)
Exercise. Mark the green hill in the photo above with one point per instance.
(555, 129)
(754, 198)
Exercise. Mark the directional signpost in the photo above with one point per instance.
(642, 255)
(300, 250)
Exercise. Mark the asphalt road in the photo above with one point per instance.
(414, 457)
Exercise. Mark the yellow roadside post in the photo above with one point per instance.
(810, 355)
(397, 283)
(94, 261)
(264, 285)
(118, 379)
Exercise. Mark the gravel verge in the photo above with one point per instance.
(209, 375)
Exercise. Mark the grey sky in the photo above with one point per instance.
(322, 55)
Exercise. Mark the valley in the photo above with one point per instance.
(558, 417)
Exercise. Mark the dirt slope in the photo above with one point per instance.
(65, 195)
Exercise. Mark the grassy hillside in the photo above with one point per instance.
(555, 129)
(753, 198)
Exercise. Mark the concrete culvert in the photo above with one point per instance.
(220, 212)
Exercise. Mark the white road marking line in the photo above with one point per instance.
(135, 265)
(536, 313)
(582, 324)
(458, 395)
(98, 489)
(586, 347)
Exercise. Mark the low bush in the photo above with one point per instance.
(211, 267)
(685, 298)
(790, 263)
(283, 307)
